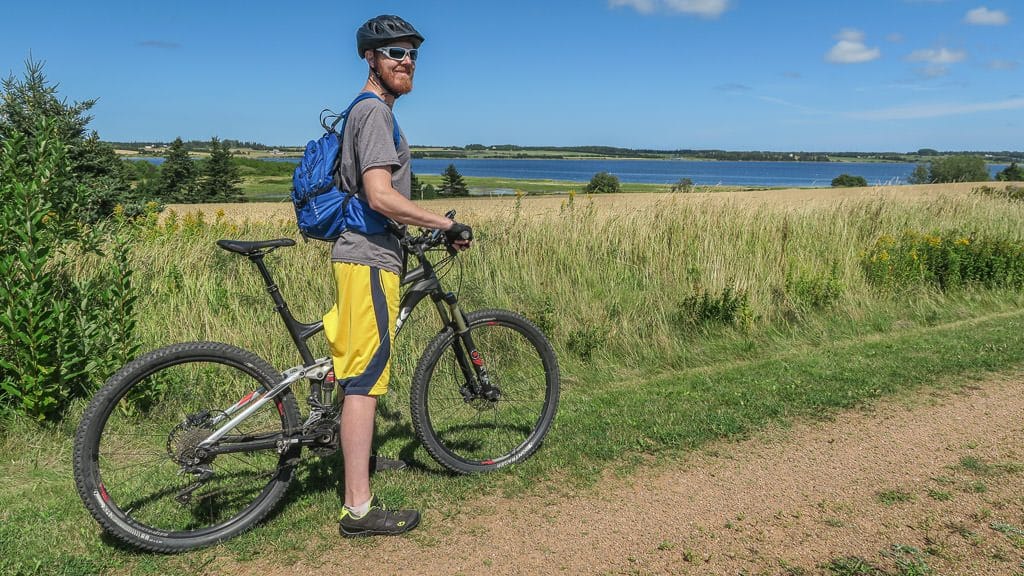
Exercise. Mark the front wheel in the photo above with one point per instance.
(498, 413)
(139, 464)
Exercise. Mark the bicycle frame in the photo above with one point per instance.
(421, 281)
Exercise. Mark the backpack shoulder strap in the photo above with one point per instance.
(396, 135)
(343, 117)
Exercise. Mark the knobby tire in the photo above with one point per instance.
(136, 432)
(480, 435)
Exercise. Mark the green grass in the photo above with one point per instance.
(592, 283)
(276, 187)
(893, 497)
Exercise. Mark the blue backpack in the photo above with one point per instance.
(322, 210)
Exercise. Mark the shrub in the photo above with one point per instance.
(920, 175)
(959, 169)
(848, 181)
(1011, 193)
(603, 182)
(683, 185)
(944, 260)
(59, 332)
(729, 307)
(583, 342)
(814, 291)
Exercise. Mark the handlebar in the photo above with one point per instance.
(426, 239)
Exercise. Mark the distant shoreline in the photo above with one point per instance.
(150, 150)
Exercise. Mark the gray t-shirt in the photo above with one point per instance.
(369, 143)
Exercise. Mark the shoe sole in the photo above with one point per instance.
(367, 533)
(378, 464)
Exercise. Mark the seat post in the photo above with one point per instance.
(282, 308)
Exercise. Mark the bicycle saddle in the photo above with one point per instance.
(245, 247)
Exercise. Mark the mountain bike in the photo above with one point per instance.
(193, 443)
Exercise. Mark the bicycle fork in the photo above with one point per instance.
(474, 370)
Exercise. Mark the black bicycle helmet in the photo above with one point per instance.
(384, 29)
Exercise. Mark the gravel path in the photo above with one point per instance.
(935, 479)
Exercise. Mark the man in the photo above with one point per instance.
(367, 266)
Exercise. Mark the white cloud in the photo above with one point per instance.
(940, 56)
(788, 104)
(703, 8)
(850, 49)
(915, 112)
(850, 35)
(895, 37)
(641, 6)
(1003, 65)
(982, 16)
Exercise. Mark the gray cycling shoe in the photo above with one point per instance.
(382, 464)
(379, 521)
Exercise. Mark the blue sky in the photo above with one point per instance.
(831, 75)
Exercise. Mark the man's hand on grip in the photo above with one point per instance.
(458, 236)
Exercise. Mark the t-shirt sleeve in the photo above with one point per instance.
(374, 141)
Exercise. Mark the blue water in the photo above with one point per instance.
(728, 173)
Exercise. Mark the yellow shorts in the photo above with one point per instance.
(360, 327)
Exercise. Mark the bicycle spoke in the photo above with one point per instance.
(148, 457)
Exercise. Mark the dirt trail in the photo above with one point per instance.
(940, 472)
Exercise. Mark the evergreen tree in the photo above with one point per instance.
(415, 187)
(1012, 173)
(452, 183)
(177, 175)
(28, 101)
(219, 180)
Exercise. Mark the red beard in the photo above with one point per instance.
(398, 79)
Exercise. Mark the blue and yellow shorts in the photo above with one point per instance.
(360, 327)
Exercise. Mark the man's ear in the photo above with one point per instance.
(368, 56)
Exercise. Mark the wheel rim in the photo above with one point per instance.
(491, 433)
(147, 441)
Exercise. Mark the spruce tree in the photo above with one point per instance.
(219, 181)
(27, 101)
(1012, 173)
(415, 187)
(177, 175)
(452, 183)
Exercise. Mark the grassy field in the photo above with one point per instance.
(268, 188)
(725, 312)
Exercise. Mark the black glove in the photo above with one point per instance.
(458, 232)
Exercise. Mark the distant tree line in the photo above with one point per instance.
(514, 151)
(195, 145)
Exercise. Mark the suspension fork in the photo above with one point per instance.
(471, 362)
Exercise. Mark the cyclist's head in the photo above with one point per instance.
(389, 45)
(383, 31)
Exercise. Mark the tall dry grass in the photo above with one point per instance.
(620, 285)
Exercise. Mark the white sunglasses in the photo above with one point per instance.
(398, 53)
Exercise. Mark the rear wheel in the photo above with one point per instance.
(138, 463)
(470, 430)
